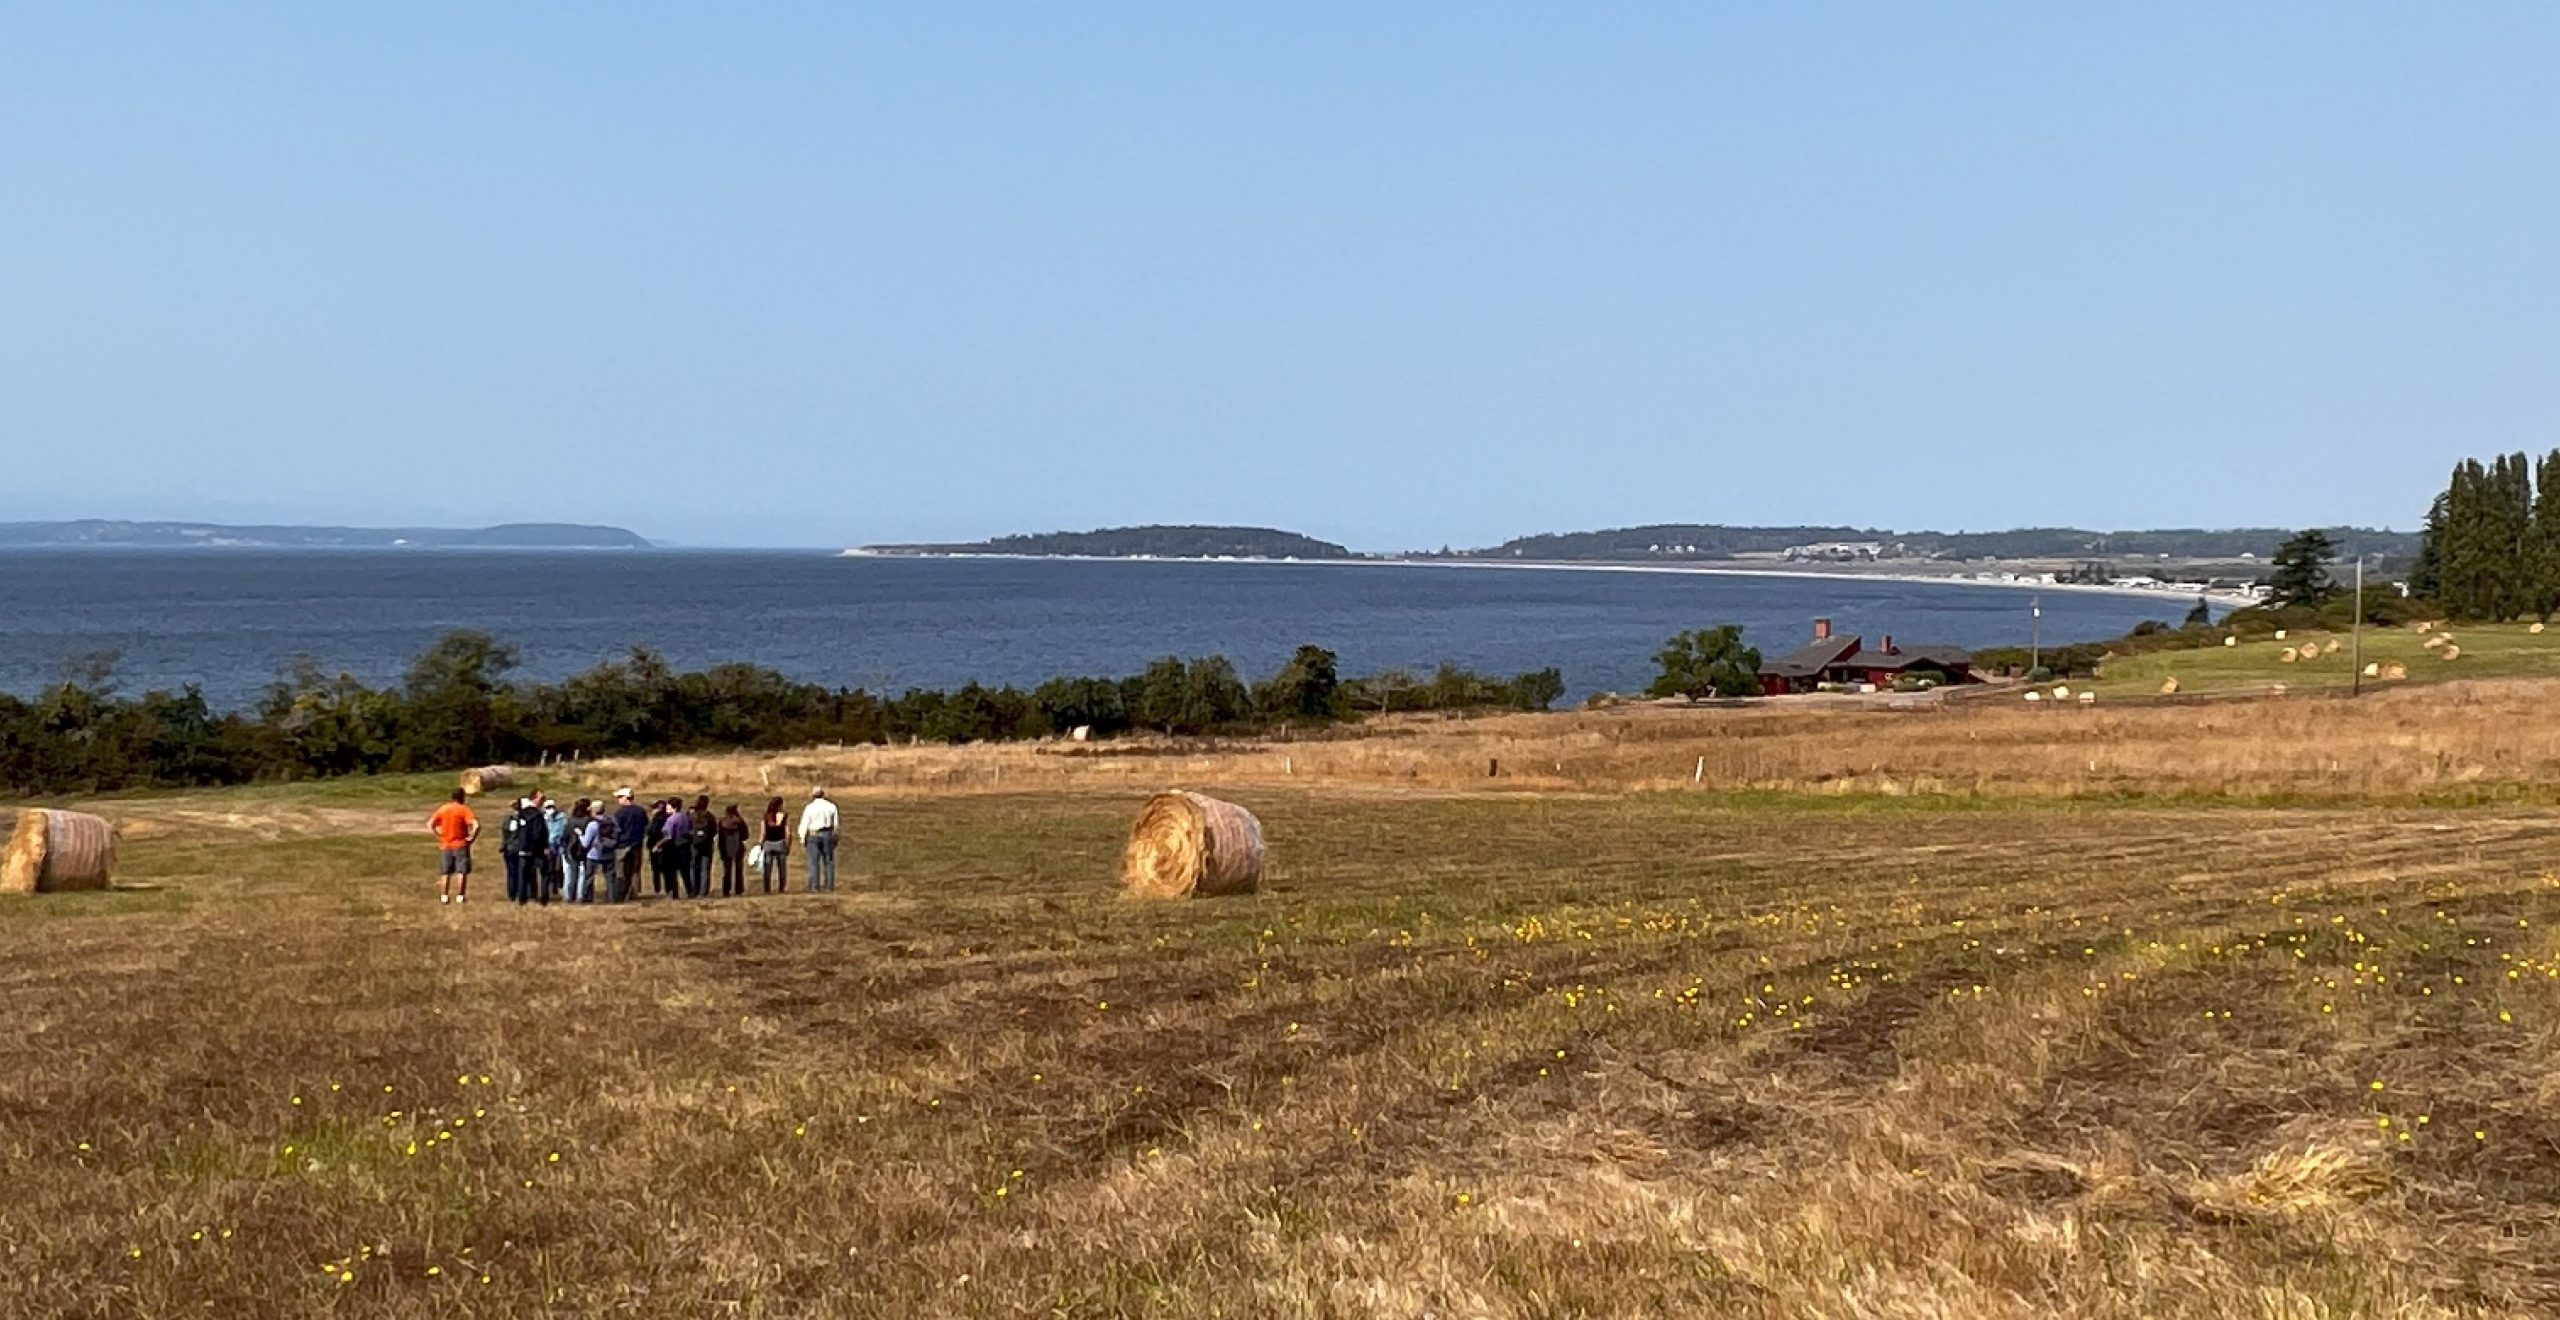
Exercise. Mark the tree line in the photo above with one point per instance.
(458, 705)
(2491, 549)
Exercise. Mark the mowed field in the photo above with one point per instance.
(2324, 661)
(1594, 1015)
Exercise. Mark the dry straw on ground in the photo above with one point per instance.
(481, 779)
(1185, 844)
(53, 851)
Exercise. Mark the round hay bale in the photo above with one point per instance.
(53, 851)
(1186, 844)
(2230, 641)
(2280, 634)
(2169, 686)
(2088, 698)
(2062, 692)
(2332, 647)
(2422, 625)
(2287, 655)
(2395, 671)
(2535, 629)
(481, 779)
(2451, 653)
(2035, 696)
(2373, 669)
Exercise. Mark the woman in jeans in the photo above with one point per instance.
(777, 848)
(571, 847)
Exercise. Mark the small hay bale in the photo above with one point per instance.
(1186, 844)
(2276, 689)
(2062, 692)
(481, 779)
(2088, 698)
(2035, 696)
(2373, 669)
(2332, 647)
(2394, 672)
(2230, 641)
(2451, 653)
(2169, 686)
(2280, 634)
(2287, 655)
(54, 851)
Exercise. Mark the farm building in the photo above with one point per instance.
(1846, 661)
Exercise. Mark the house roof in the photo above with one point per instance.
(1810, 660)
(1907, 657)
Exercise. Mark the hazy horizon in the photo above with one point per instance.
(1396, 278)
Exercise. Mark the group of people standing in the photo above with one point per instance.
(573, 854)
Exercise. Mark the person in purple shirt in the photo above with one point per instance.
(675, 844)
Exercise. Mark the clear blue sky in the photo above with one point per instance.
(1397, 275)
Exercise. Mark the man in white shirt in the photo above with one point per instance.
(818, 841)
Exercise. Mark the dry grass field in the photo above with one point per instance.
(2244, 1009)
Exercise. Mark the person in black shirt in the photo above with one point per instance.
(527, 847)
(777, 848)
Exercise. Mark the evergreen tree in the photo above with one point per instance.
(2542, 539)
(2509, 524)
(2463, 561)
(2426, 577)
(2301, 575)
(2202, 615)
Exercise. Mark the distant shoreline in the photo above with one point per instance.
(2227, 598)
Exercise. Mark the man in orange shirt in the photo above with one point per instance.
(456, 829)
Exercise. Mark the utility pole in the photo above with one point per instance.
(2357, 632)
(2035, 647)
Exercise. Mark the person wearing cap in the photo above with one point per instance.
(818, 841)
(631, 843)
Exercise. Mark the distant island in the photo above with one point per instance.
(2225, 556)
(1187, 542)
(112, 534)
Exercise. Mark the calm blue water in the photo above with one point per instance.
(229, 620)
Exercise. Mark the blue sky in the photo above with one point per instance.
(1399, 275)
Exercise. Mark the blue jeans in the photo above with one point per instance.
(576, 885)
(524, 877)
(821, 865)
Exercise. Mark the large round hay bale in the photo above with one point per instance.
(2286, 655)
(1186, 844)
(2169, 686)
(481, 779)
(2451, 653)
(2535, 629)
(2395, 671)
(53, 851)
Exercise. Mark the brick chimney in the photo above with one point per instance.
(1822, 630)
(1888, 644)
